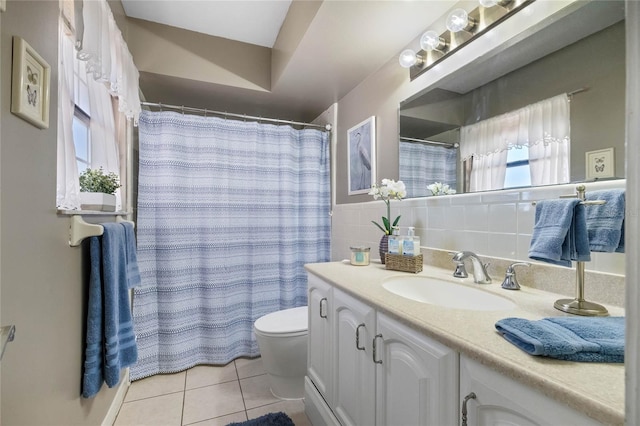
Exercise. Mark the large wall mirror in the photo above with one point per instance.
(582, 54)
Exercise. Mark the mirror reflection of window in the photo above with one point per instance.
(518, 171)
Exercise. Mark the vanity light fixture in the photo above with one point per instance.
(491, 3)
(459, 20)
(462, 27)
(432, 41)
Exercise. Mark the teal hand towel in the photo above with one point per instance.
(605, 223)
(582, 339)
(560, 232)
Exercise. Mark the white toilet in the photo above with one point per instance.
(282, 338)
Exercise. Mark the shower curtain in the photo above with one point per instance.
(228, 214)
(422, 164)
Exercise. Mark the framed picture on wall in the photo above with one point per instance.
(361, 152)
(30, 84)
(600, 164)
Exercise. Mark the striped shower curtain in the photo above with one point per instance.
(422, 164)
(228, 214)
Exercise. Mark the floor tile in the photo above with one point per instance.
(223, 420)
(249, 367)
(205, 375)
(256, 392)
(212, 401)
(164, 410)
(293, 408)
(160, 384)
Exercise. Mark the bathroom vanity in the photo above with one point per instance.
(378, 358)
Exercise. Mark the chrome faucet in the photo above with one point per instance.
(480, 274)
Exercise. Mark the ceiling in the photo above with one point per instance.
(341, 44)
(253, 22)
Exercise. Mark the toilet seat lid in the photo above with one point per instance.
(286, 321)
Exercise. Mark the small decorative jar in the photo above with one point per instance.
(360, 255)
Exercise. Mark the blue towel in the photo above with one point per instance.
(111, 344)
(582, 339)
(560, 232)
(605, 223)
(133, 273)
(270, 419)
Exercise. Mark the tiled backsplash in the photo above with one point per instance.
(492, 224)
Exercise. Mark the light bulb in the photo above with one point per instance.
(459, 20)
(408, 58)
(431, 41)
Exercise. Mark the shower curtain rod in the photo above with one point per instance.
(229, 114)
(448, 145)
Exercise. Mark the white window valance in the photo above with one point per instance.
(543, 122)
(99, 42)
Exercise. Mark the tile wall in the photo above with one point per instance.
(492, 224)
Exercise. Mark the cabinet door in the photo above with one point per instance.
(354, 370)
(493, 399)
(416, 377)
(320, 339)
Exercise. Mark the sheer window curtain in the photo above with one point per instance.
(544, 127)
(89, 32)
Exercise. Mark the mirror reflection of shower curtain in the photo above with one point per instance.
(422, 164)
(228, 214)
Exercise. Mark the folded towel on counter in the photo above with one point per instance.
(110, 340)
(560, 232)
(605, 223)
(585, 339)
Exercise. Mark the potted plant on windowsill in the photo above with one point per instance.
(97, 190)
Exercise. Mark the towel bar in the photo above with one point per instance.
(79, 229)
(578, 305)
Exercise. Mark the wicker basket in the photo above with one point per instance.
(398, 262)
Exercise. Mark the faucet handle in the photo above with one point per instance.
(510, 281)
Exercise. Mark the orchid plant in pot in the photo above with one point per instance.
(388, 190)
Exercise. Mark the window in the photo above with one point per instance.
(98, 99)
(81, 116)
(518, 172)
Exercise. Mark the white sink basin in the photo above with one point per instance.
(445, 293)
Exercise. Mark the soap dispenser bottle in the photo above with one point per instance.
(395, 244)
(411, 243)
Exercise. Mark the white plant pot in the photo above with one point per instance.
(98, 201)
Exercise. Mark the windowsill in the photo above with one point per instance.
(91, 213)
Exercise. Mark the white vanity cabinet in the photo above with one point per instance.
(319, 351)
(408, 379)
(489, 398)
(353, 367)
(416, 377)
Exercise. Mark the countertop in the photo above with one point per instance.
(595, 389)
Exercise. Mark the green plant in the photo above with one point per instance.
(98, 181)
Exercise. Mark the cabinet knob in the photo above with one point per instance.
(466, 399)
(358, 338)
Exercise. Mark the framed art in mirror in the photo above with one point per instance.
(600, 164)
(30, 84)
(361, 152)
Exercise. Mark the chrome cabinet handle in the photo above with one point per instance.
(472, 395)
(358, 338)
(324, 299)
(375, 349)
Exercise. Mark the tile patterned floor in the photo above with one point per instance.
(205, 396)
